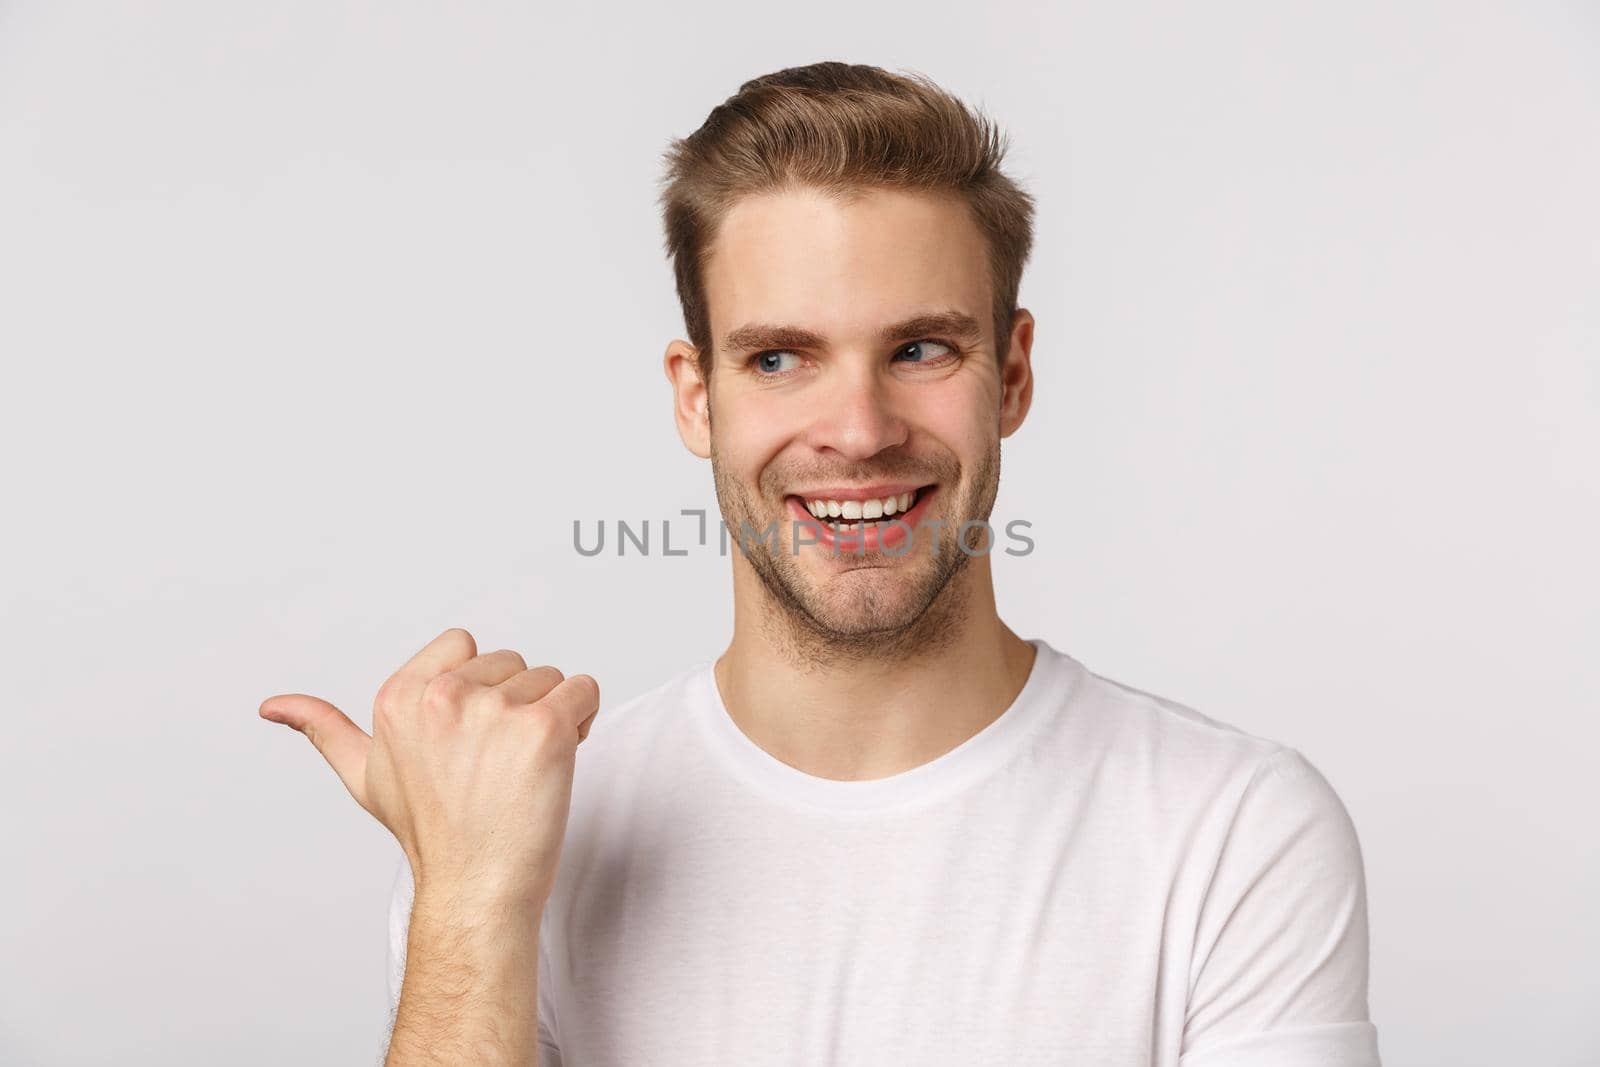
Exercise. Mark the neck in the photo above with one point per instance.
(870, 707)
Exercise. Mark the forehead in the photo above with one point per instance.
(843, 267)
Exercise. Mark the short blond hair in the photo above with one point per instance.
(841, 128)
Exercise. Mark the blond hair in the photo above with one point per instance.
(840, 128)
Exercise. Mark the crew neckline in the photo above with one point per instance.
(1050, 684)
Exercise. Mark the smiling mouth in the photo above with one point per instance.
(855, 516)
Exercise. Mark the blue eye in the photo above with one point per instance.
(923, 356)
(772, 362)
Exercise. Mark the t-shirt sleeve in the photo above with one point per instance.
(400, 924)
(1279, 972)
(549, 1052)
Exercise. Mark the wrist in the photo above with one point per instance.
(472, 905)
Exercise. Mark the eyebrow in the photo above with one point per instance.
(760, 336)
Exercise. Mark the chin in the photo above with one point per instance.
(890, 609)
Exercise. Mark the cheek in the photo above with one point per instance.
(751, 431)
(952, 424)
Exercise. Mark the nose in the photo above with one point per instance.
(856, 416)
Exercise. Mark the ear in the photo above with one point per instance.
(691, 399)
(1016, 374)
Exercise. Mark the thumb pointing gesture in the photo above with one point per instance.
(469, 764)
(342, 743)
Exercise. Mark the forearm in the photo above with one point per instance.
(470, 992)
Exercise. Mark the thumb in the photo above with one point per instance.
(342, 743)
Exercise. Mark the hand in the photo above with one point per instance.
(469, 765)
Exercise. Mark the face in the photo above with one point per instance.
(854, 382)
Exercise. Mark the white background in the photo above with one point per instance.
(322, 322)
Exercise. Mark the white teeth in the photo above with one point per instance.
(861, 509)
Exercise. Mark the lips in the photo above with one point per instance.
(855, 536)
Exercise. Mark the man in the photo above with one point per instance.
(881, 827)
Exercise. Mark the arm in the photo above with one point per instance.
(471, 985)
(399, 923)
(470, 766)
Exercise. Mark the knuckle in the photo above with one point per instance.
(445, 691)
(514, 656)
(495, 699)
(545, 729)
(388, 698)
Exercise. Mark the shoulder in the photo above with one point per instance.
(1155, 741)
(1243, 804)
(1268, 864)
(1203, 776)
(1138, 715)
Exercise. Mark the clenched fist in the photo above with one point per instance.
(469, 765)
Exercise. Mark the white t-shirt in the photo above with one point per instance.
(1100, 876)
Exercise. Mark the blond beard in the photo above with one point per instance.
(793, 614)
